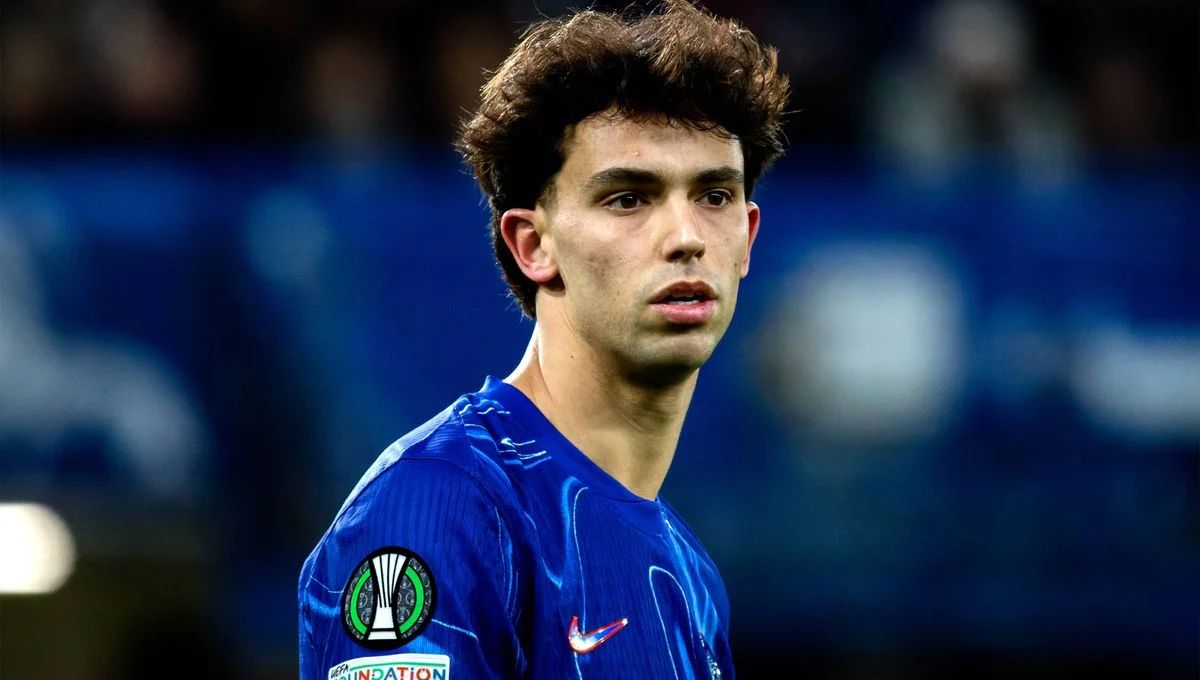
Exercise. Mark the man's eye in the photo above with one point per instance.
(625, 202)
(717, 198)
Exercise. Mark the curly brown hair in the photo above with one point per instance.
(679, 63)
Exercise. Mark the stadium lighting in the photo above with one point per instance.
(39, 552)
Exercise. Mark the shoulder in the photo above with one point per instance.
(684, 532)
(429, 493)
(709, 572)
(440, 479)
(431, 503)
(443, 450)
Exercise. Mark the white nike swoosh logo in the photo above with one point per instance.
(582, 643)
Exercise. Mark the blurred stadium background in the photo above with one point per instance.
(238, 258)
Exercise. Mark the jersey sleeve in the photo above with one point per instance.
(415, 579)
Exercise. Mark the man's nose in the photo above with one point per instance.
(684, 240)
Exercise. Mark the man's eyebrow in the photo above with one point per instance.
(723, 174)
(629, 176)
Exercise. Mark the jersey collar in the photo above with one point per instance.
(648, 514)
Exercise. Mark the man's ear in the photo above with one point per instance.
(753, 214)
(529, 245)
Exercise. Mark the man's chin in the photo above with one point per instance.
(670, 363)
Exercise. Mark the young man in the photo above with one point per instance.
(519, 533)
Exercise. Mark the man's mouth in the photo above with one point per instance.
(685, 293)
(686, 302)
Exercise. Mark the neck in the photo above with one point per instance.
(629, 430)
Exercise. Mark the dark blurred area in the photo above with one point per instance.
(954, 428)
(1055, 77)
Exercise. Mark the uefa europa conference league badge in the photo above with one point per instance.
(389, 599)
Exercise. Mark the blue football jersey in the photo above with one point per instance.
(485, 545)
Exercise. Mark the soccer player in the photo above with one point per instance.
(520, 532)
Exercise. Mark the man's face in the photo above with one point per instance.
(651, 233)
